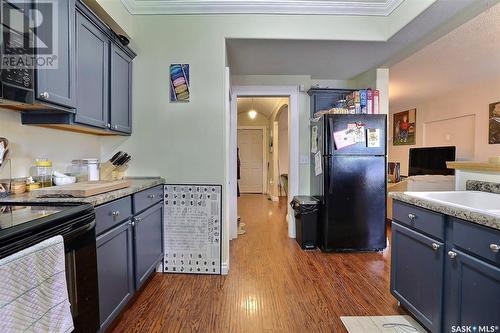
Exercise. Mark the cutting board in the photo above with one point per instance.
(81, 190)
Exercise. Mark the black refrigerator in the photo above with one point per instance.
(350, 183)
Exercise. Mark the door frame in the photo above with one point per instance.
(264, 155)
(292, 92)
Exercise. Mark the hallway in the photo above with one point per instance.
(272, 286)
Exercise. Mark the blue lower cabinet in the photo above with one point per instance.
(473, 293)
(127, 254)
(449, 286)
(115, 271)
(417, 263)
(148, 242)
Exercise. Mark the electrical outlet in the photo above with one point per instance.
(304, 159)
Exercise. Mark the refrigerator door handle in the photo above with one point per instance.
(330, 175)
(330, 141)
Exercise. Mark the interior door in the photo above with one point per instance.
(251, 160)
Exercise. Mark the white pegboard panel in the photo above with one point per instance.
(192, 229)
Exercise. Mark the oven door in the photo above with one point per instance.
(81, 276)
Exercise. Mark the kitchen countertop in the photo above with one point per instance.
(449, 209)
(138, 184)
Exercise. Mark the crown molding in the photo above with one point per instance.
(285, 7)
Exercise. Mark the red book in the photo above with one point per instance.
(376, 102)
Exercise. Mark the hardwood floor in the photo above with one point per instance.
(272, 286)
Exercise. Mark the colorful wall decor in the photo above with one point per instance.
(179, 83)
(404, 128)
(494, 123)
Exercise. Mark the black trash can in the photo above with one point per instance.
(306, 210)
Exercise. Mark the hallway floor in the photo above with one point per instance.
(272, 286)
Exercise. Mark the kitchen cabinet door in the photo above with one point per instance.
(121, 91)
(417, 265)
(57, 85)
(115, 271)
(472, 292)
(148, 242)
(92, 64)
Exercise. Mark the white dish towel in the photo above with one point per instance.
(33, 292)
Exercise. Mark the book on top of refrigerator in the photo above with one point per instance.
(376, 102)
(369, 101)
(363, 101)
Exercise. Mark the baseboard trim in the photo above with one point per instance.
(224, 268)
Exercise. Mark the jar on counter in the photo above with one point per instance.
(86, 169)
(41, 172)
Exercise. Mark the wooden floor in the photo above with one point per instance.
(272, 286)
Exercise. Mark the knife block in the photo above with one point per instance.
(108, 171)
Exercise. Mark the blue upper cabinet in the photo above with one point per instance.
(92, 52)
(92, 87)
(120, 90)
(57, 86)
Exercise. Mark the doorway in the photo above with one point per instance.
(243, 119)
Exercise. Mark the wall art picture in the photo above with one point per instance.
(179, 83)
(404, 128)
(494, 123)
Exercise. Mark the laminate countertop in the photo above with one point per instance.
(138, 184)
(475, 216)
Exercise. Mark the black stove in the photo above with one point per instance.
(22, 226)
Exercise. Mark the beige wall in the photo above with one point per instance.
(30, 142)
(245, 120)
(283, 141)
(457, 107)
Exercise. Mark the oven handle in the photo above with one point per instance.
(79, 231)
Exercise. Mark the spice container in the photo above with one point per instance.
(86, 169)
(41, 172)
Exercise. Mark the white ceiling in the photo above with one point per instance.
(467, 55)
(332, 7)
(263, 105)
(346, 59)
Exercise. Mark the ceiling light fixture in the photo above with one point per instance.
(252, 113)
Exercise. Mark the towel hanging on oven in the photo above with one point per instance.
(33, 291)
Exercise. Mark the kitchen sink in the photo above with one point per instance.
(483, 202)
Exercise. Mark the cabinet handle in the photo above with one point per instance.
(435, 246)
(151, 196)
(115, 127)
(452, 254)
(44, 95)
(132, 223)
(115, 213)
(412, 217)
(108, 125)
(138, 219)
(494, 247)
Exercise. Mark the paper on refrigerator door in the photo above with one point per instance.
(358, 130)
(373, 138)
(344, 138)
(314, 139)
(318, 160)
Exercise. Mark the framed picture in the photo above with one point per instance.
(404, 128)
(179, 83)
(494, 123)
